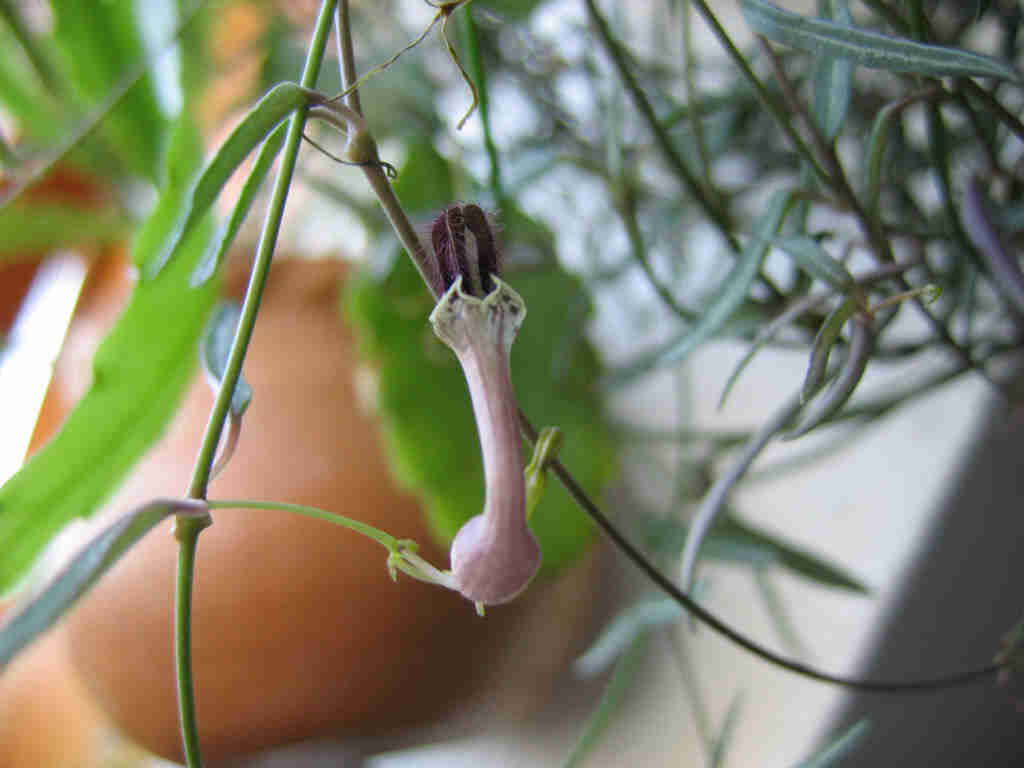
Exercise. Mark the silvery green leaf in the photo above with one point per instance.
(214, 255)
(737, 283)
(637, 619)
(215, 348)
(839, 748)
(869, 49)
(833, 79)
(274, 107)
(808, 254)
(43, 610)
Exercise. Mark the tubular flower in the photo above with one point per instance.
(494, 555)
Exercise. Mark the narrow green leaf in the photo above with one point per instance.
(876, 151)
(764, 335)
(27, 227)
(812, 258)
(714, 502)
(215, 348)
(218, 250)
(812, 567)
(733, 540)
(95, 558)
(616, 638)
(737, 283)
(833, 79)
(36, 53)
(139, 374)
(830, 402)
(778, 609)
(869, 49)
(845, 743)
(610, 702)
(821, 349)
(724, 737)
(98, 41)
(274, 107)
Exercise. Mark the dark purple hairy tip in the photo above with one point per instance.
(448, 237)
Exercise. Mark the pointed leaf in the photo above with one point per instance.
(616, 638)
(733, 540)
(215, 349)
(869, 49)
(821, 349)
(845, 743)
(611, 699)
(833, 79)
(876, 151)
(789, 556)
(812, 259)
(829, 402)
(274, 107)
(724, 737)
(46, 607)
(736, 285)
(218, 250)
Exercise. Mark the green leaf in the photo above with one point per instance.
(733, 540)
(215, 348)
(821, 349)
(139, 375)
(724, 737)
(423, 403)
(833, 79)
(36, 53)
(23, 94)
(39, 225)
(869, 49)
(274, 107)
(218, 250)
(877, 141)
(736, 285)
(776, 549)
(808, 254)
(615, 639)
(100, 43)
(85, 568)
(611, 700)
(845, 743)
(765, 334)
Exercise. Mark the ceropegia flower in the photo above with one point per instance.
(494, 555)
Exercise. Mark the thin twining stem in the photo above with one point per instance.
(666, 585)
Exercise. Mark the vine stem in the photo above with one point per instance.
(698, 611)
(187, 530)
